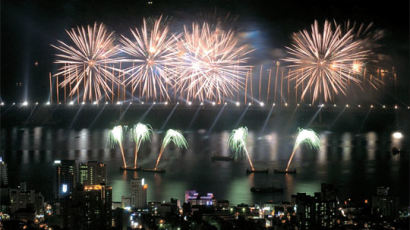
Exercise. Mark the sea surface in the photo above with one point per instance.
(355, 163)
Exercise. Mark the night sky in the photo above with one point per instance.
(29, 27)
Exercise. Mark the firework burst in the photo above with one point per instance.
(153, 57)
(213, 63)
(326, 59)
(88, 61)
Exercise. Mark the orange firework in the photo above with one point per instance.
(326, 60)
(91, 53)
(154, 56)
(213, 63)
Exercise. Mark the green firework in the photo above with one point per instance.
(175, 137)
(237, 140)
(116, 134)
(141, 132)
(308, 137)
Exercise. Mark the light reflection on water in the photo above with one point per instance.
(371, 138)
(346, 146)
(352, 162)
(224, 144)
(323, 147)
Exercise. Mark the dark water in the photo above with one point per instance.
(357, 164)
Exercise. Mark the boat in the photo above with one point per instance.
(396, 151)
(266, 189)
(130, 169)
(154, 170)
(278, 171)
(249, 171)
(221, 158)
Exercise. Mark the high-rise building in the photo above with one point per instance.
(96, 173)
(382, 191)
(138, 193)
(98, 200)
(92, 173)
(4, 189)
(319, 211)
(384, 204)
(4, 181)
(326, 206)
(83, 173)
(66, 173)
(88, 207)
(305, 210)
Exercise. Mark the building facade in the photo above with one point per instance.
(319, 211)
(4, 189)
(383, 204)
(4, 181)
(21, 198)
(138, 193)
(88, 207)
(194, 198)
(92, 173)
(66, 175)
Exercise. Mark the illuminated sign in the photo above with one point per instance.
(64, 188)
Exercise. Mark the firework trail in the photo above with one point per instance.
(308, 137)
(326, 59)
(154, 57)
(370, 40)
(89, 60)
(366, 33)
(116, 136)
(237, 142)
(175, 137)
(140, 133)
(213, 63)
